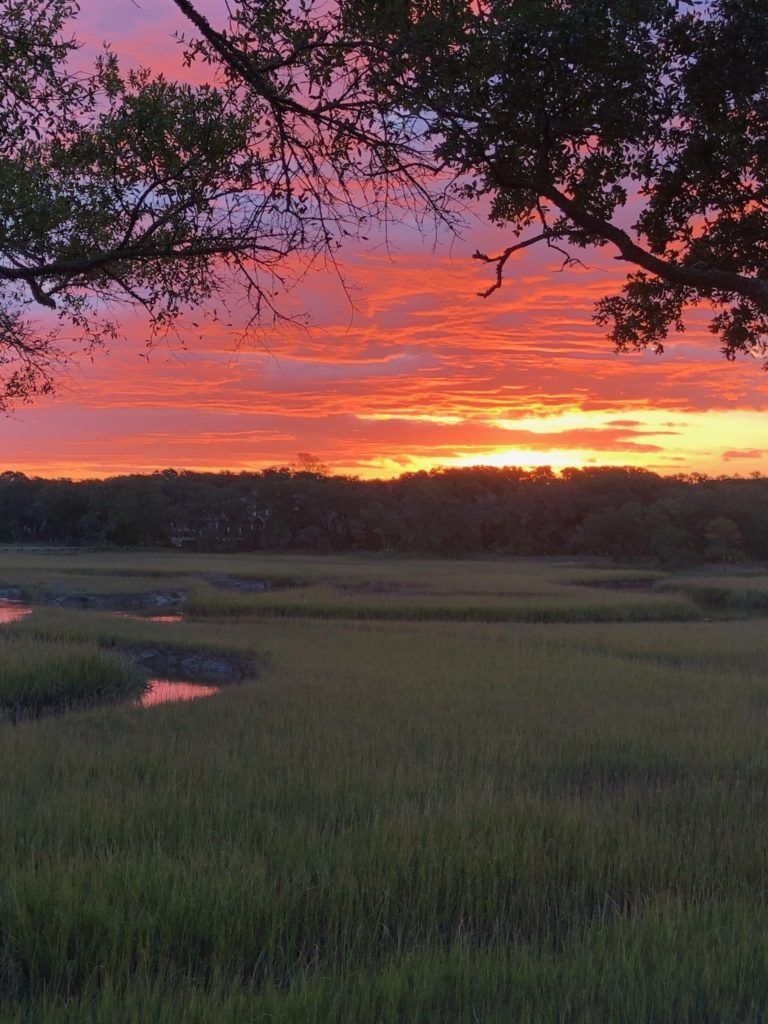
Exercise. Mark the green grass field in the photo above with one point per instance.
(548, 809)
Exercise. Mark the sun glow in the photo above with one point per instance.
(552, 422)
(555, 458)
(408, 416)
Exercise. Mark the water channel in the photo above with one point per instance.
(158, 691)
(166, 617)
(167, 691)
(12, 611)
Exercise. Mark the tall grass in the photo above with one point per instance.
(43, 675)
(399, 822)
(107, 571)
(724, 594)
(558, 605)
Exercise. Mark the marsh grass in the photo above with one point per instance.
(399, 822)
(161, 566)
(37, 676)
(48, 583)
(57, 660)
(549, 604)
(108, 630)
(725, 646)
(744, 594)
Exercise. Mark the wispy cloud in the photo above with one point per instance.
(405, 367)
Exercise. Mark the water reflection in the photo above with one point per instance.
(151, 618)
(11, 611)
(165, 691)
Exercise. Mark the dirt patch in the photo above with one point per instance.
(642, 586)
(115, 602)
(383, 587)
(244, 586)
(197, 666)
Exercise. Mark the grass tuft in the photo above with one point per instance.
(37, 676)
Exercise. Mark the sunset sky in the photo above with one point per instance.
(415, 371)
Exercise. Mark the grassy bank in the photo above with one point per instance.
(400, 821)
(725, 594)
(44, 675)
(326, 602)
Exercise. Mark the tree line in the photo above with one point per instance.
(619, 513)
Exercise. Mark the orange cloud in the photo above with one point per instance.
(404, 368)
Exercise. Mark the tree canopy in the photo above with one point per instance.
(638, 126)
(620, 513)
(125, 188)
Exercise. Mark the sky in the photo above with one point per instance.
(403, 368)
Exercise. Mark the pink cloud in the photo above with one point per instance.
(744, 453)
(408, 334)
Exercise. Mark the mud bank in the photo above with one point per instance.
(641, 586)
(242, 585)
(122, 602)
(197, 666)
(174, 674)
